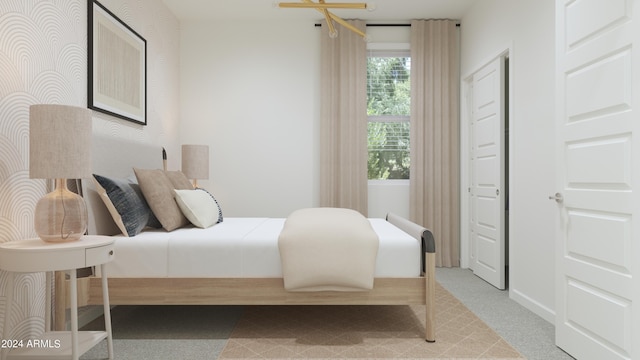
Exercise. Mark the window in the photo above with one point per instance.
(388, 110)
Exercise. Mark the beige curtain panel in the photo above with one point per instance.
(343, 120)
(435, 163)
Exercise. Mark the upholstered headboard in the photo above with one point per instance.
(114, 157)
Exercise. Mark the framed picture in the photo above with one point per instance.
(117, 66)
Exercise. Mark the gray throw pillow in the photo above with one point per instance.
(126, 204)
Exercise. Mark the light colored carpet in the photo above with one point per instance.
(275, 332)
(170, 322)
(172, 332)
(530, 334)
(227, 332)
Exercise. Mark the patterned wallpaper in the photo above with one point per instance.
(43, 59)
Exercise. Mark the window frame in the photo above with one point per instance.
(389, 50)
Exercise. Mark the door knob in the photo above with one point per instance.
(557, 197)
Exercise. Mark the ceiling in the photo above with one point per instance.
(385, 10)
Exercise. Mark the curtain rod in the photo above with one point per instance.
(383, 25)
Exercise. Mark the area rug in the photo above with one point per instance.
(364, 332)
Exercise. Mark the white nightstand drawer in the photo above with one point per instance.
(99, 255)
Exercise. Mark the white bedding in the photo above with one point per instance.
(241, 247)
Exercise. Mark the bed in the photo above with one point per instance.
(235, 262)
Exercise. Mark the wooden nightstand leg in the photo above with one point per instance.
(47, 304)
(60, 313)
(73, 286)
(107, 309)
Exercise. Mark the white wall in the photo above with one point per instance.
(527, 27)
(388, 196)
(250, 89)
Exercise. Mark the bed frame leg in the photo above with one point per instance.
(428, 244)
(430, 289)
(60, 313)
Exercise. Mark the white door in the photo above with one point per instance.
(486, 196)
(598, 240)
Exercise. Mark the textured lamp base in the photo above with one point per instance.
(61, 215)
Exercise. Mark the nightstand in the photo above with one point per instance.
(35, 255)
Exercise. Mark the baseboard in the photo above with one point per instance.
(533, 306)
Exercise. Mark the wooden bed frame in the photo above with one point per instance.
(241, 291)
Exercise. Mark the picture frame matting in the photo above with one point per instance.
(117, 69)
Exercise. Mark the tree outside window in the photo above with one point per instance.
(388, 110)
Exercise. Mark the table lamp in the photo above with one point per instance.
(195, 162)
(60, 149)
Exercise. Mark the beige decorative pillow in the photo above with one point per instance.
(179, 180)
(157, 189)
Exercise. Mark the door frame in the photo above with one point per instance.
(465, 148)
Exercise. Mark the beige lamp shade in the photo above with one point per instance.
(59, 142)
(195, 161)
(60, 149)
